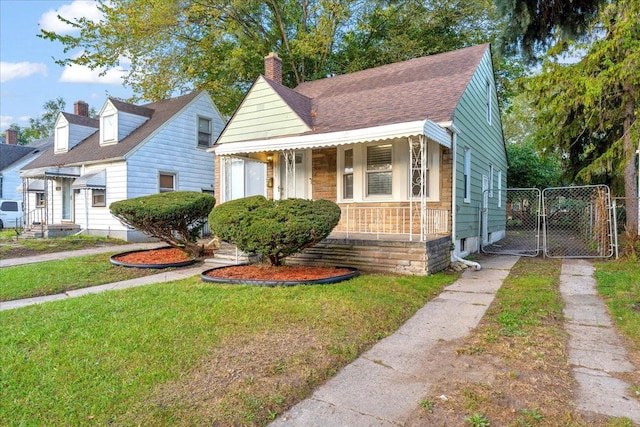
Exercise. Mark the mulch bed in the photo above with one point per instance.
(247, 272)
(280, 273)
(154, 256)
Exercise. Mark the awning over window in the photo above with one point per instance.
(36, 185)
(93, 181)
(53, 172)
(357, 136)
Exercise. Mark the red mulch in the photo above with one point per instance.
(154, 256)
(279, 274)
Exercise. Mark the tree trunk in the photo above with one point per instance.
(630, 171)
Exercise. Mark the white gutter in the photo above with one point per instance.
(421, 127)
(454, 149)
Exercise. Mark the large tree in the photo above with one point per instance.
(587, 109)
(42, 127)
(175, 46)
(531, 26)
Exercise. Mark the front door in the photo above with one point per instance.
(67, 200)
(293, 171)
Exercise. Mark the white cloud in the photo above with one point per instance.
(82, 74)
(17, 70)
(5, 121)
(77, 9)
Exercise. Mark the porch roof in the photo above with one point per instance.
(427, 128)
(92, 181)
(36, 185)
(59, 172)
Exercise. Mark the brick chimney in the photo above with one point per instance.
(11, 137)
(81, 108)
(273, 67)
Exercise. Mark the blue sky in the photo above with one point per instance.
(29, 77)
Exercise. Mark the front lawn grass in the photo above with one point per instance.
(619, 283)
(192, 353)
(10, 247)
(54, 277)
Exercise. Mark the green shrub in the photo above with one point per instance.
(175, 218)
(274, 228)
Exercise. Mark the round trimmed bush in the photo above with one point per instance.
(274, 228)
(175, 217)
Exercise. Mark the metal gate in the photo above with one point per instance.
(578, 222)
(563, 222)
(521, 209)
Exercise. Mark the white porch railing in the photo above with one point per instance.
(399, 221)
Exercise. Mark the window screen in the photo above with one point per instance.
(347, 175)
(204, 132)
(379, 175)
(167, 182)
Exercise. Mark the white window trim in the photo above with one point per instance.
(401, 174)
(499, 188)
(490, 180)
(61, 141)
(343, 174)
(198, 117)
(109, 139)
(366, 173)
(467, 173)
(93, 203)
(175, 182)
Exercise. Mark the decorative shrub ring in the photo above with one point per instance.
(353, 272)
(156, 266)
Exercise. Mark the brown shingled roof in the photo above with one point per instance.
(82, 120)
(131, 108)
(90, 150)
(423, 88)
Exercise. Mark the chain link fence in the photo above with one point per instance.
(578, 222)
(522, 222)
(562, 222)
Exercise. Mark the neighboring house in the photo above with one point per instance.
(12, 158)
(127, 151)
(405, 149)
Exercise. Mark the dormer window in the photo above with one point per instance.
(204, 132)
(109, 128)
(61, 139)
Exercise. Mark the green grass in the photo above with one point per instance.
(9, 233)
(619, 283)
(125, 357)
(9, 245)
(53, 277)
(527, 297)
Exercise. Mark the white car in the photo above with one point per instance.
(10, 214)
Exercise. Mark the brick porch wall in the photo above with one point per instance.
(378, 256)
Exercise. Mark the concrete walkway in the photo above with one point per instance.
(384, 385)
(596, 352)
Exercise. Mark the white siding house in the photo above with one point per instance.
(133, 151)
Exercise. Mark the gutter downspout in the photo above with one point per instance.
(454, 151)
